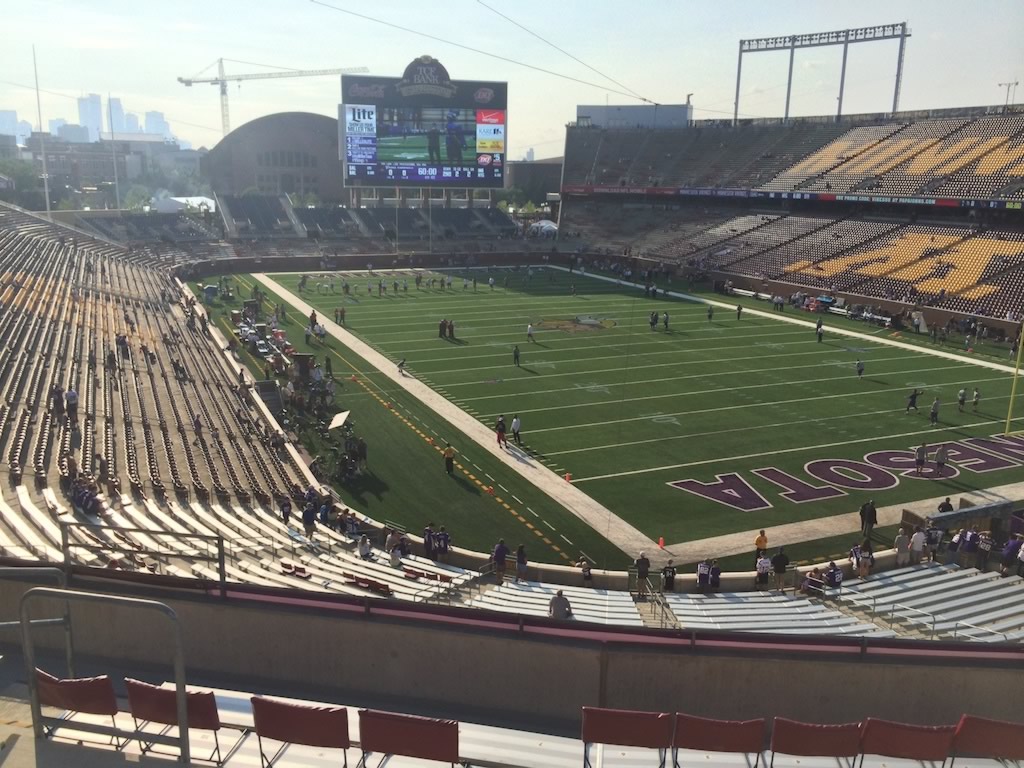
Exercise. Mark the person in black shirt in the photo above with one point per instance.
(643, 570)
(868, 518)
(779, 565)
(433, 144)
(668, 577)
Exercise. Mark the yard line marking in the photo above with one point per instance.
(724, 408)
(727, 459)
(506, 490)
(788, 422)
(476, 465)
(549, 525)
(698, 376)
(520, 501)
(532, 512)
(566, 540)
(488, 476)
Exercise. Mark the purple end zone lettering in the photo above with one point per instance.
(906, 463)
(973, 460)
(796, 490)
(1010, 447)
(870, 478)
(729, 489)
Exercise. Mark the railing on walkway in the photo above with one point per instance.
(44, 571)
(975, 628)
(40, 721)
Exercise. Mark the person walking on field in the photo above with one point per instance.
(739, 311)
(860, 369)
(499, 430)
(529, 333)
(515, 356)
(516, 426)
(711, 312)
(933, 414)
(449, 458)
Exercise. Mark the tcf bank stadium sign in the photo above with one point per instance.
(877, 471)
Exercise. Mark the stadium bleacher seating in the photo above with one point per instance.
(257, 215)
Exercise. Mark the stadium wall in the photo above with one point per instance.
(532, 672)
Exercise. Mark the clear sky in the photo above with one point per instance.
(661, 49)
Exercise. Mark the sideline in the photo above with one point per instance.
(606, 523)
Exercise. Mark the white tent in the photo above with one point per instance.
(543, 227)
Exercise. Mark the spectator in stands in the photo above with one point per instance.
(309, 519)
(703, 575)
(868, 518)
(286, 510)
(762, 568)
(391, 539)
(933, 540)
(643, 571)
(668, 577)
(969, 547)
(1010, 553)
(102, 468)
(395, 555)
(985, 544)
(521, 563)
(902, 546)
(953, 548)
(833, 575)
(442, 544)
(499, 556)
(428, 541)
(945, 506)
(197, 426)
(1020, 561)
(72, 466)
(584, 566)
(716, 576)
(364, 548)
(811, 582)
(779, 565)
(71, 401)
(559, 607)
(917, 545)
(57, 401)
(865, 559)
(760, 545)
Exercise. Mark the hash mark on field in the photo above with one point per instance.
(520, 501)
(549, 525)
(506, 490)
(489, 477)
(532, 512)
(477, 466)
(567, 541)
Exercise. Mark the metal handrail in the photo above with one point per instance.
(39, 721)
(61, 578)
(956, 629)
(892, 615)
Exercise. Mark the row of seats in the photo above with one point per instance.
(301, 731)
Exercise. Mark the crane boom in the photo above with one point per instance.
(222, 79)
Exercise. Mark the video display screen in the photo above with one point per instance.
(423, 130)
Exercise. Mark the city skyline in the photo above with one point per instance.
(97, 116)
(659, 51)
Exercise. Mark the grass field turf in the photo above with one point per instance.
(406, 482)
(626, 410)
(413, 149)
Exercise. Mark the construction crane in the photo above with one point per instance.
(222, 79)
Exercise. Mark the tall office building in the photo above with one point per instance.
(155, 123)
(55, 125)
(131, 123)
(8, 122)
(115, 116)
(90, 115)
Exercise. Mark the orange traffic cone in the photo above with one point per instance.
(354, 377)
(490, 490)
(661, 542)
(568, 477)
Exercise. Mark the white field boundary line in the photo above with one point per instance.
(783, 318)
(609, 525)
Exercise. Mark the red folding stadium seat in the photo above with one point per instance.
(89, 695)
(408, 736)
(990, 739)
(153, 704)
(299, 724)
(911, 742)
(708, 735)
(790, 737)
(625, 728)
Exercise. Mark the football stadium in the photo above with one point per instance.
(716, 454)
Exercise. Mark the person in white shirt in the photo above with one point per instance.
(529, 331)
(764, 567)
(516, 426)
(365, 550)
(559, 607)
(917, 542)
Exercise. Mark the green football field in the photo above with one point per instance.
(712, 427)
(413, 149)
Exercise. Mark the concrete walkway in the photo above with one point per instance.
(600, 518)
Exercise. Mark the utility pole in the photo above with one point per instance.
(1007, 86)
(42, 138)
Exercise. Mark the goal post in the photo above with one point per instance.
(1013, 388)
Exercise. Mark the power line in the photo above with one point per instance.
(480, 51)
(560, 50)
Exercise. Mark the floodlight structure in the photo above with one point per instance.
(842, 37)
